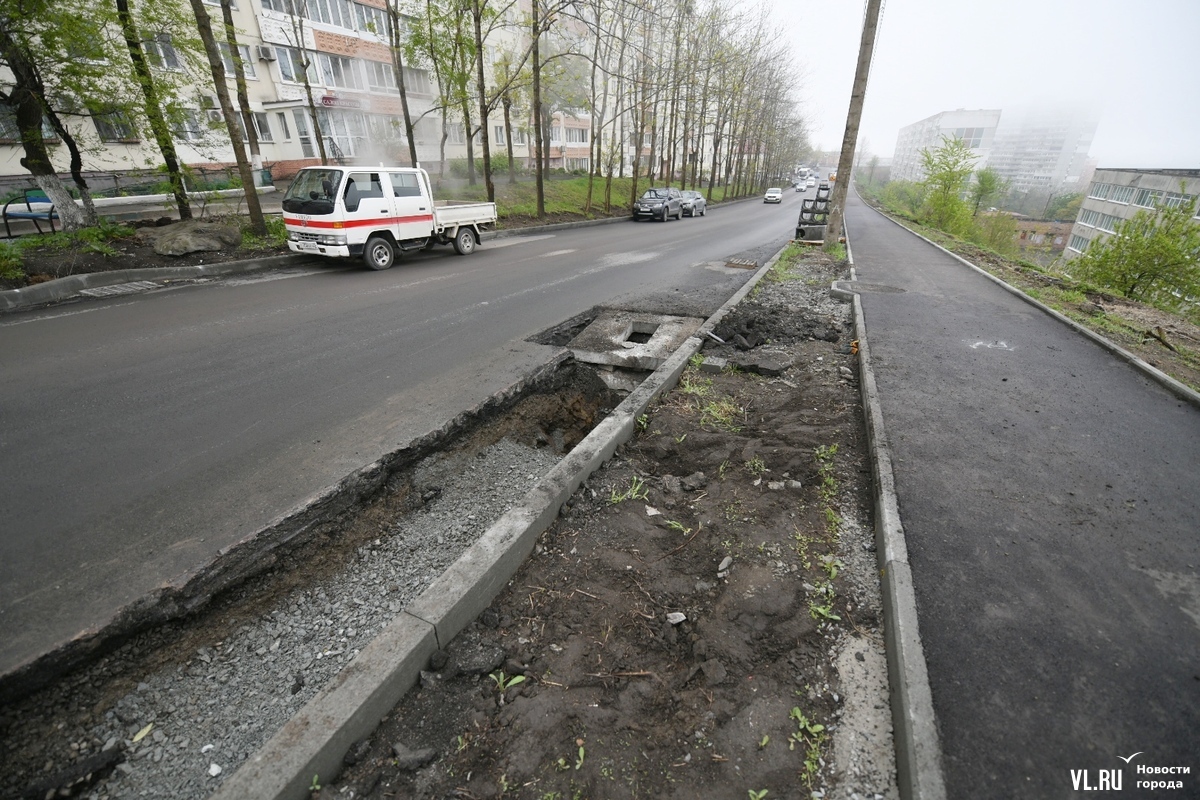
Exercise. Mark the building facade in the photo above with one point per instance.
(977, 128)
(1118, 194)
(1042, 151)
(355, 97)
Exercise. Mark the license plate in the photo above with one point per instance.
(306, 246)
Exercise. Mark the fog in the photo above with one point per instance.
(1132, 63)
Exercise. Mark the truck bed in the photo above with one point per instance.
(454, 216)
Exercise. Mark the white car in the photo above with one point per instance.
(774, 195)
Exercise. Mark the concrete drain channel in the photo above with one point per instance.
(322, 574)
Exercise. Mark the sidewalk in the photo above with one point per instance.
(1047, 493)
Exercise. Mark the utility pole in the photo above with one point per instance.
(837, 201)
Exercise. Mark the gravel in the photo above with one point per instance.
(189, 722)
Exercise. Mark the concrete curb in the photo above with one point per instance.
(316, 738)
(914, 725)
(1177, 388)
(63, 288)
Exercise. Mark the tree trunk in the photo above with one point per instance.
(508, 138)
(398, 68)
(215, 64)
(239, 74)
(540, 178)
(153, 108)
(477, 7)
(26, 101)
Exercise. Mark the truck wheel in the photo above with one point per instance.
(464, 242)
(379, 253)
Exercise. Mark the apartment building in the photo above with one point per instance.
(977, 128)
(1118, 194)
(353, 87)
(1043, 151)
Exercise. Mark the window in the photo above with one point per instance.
(1121, 194)
(1148, 198)
(291, 65)
(304, 132)
(261, 126)
(332, 12)
(416, 81)
(404, 184)
(1107, 223)
(188, 127)
(518, 136)
(344, 132)
(971, 137)
(113, 125)
(1099, 191)
(160, 52)
(340, 72)
(1078, 243)
(381, 77)
(498, 133)
(247, 63)
(1089, 217)
(576, 135)
(555, 134)
(455, 133)
(370, 19)
(1175, 200)
(9, 132)
(281, 118)
(285, 6)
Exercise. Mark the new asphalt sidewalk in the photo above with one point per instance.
(1047, 491)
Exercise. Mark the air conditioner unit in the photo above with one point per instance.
(266, 53)
(209, 101)
(214, 115)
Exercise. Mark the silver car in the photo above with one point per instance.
(661, 204)
(694, 204)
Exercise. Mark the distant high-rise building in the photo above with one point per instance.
(1044, 151)
(977, 128)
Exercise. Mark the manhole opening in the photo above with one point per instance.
(641, 332)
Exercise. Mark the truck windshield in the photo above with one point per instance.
(312, 192)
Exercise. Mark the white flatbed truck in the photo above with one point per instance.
(376, 213)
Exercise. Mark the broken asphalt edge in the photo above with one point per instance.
(918, 748)
(315, 740)
(1175, 387)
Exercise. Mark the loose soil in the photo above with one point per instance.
(703, 619)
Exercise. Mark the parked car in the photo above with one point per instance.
(812, 181)
(694, 204)
(661, 204)
(774, 195)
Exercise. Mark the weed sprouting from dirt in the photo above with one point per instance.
(636, 491)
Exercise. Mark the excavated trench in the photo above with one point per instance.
(291, 608)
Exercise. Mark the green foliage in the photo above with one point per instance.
(996, 231)
(904, 197)
(11, 268)
(1063, 207)
(1153, 257)
(947, 170)
(276, 234)
(988, 184)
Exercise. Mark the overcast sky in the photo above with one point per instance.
(1134, 60)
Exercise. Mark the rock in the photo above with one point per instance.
(672, 485)
(845, 372)
(214, 770)
(196, 236)
(725, 563)
(776, 486)
(714, 671)
(478, 661)
(795, 485)
(713, 364)
(826, 334)
(438, 659)
(429, 679)
(357, 753)
(694, 482)
(409, 760)
(676, 617)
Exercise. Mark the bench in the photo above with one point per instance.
(22, 208)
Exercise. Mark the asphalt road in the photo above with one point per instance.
(141, 436)
(1048, 493)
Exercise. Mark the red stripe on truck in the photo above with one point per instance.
(355, 223)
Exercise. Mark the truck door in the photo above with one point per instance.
(368, 205)
(413, 208)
